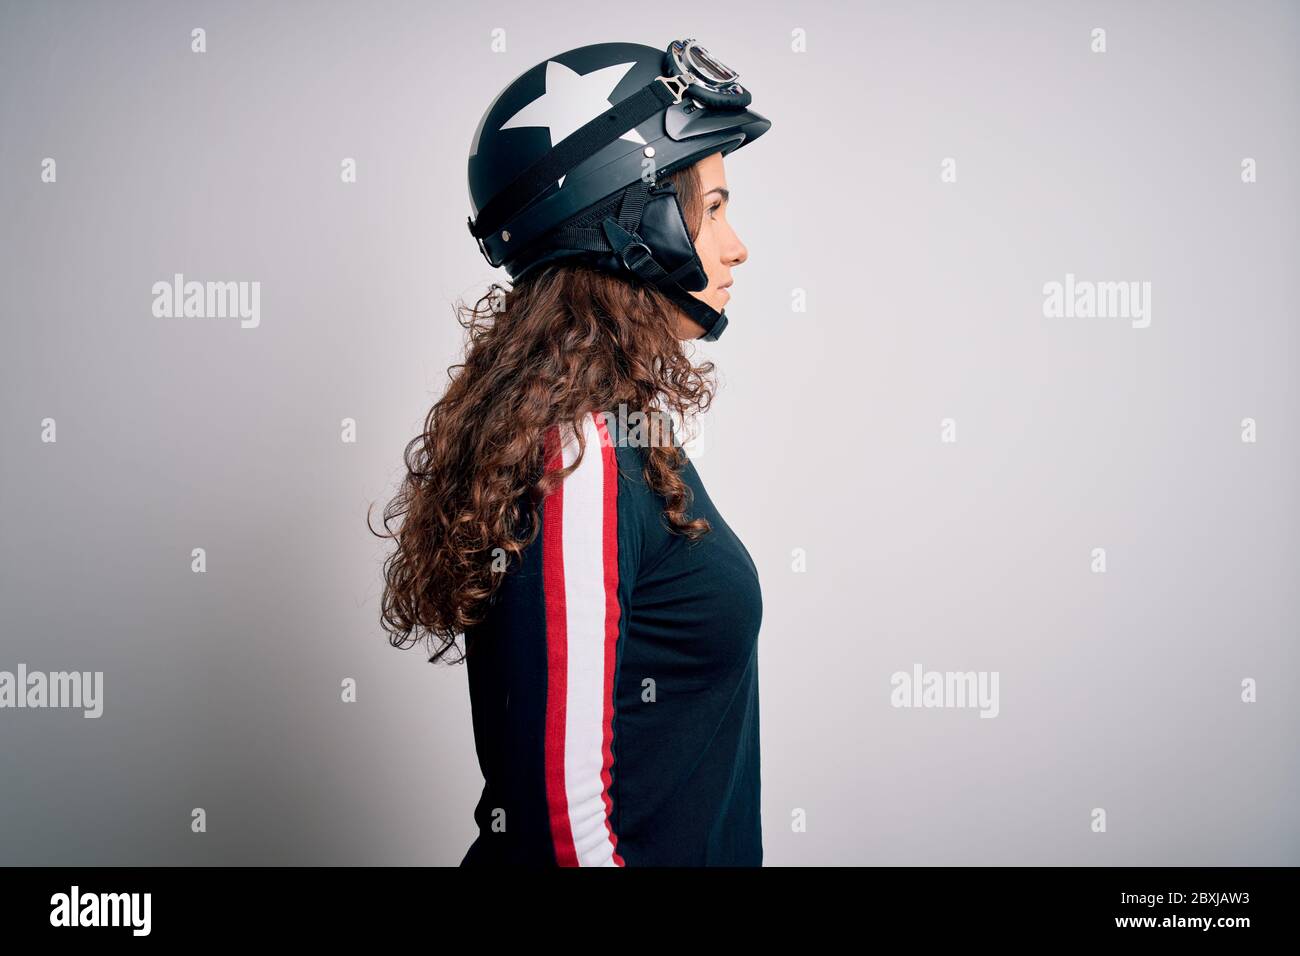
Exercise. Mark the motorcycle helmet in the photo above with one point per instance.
(569, 160)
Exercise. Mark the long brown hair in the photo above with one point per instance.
(563, 342)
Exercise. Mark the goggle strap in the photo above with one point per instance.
(582, 143)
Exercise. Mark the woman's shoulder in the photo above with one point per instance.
(618, 442)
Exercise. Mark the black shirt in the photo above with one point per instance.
(615, 689)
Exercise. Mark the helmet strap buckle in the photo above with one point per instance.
(482, 247)
(631, 250)
(677, 84)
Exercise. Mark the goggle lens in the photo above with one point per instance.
(707, 68)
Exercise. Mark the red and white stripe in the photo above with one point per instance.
(580, 578)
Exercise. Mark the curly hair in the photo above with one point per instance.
(565, 341)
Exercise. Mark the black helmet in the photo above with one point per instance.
(565, 163)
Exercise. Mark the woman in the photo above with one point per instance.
(610, 615)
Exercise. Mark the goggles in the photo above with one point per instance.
(703, 77)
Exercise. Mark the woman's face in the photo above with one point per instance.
(717, 243)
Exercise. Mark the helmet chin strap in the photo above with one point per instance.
(711, 320)
(637, 257)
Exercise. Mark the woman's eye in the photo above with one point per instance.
(714, 207)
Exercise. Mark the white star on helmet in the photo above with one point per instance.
(571, 101)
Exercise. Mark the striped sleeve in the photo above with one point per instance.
(583, 619)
